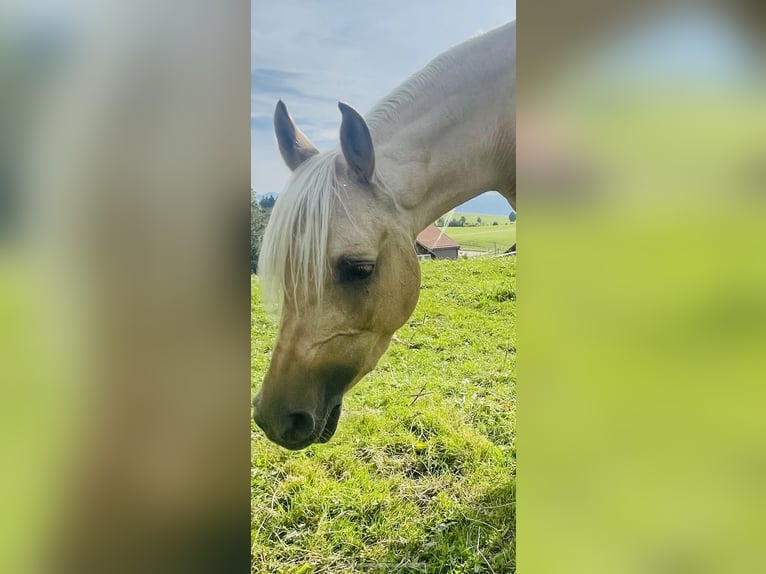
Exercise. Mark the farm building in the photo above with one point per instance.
(431, 241)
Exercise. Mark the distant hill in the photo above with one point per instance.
(490, 203)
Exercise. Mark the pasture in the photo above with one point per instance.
(420, 476)
(484, 237)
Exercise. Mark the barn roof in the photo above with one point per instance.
(433, 238)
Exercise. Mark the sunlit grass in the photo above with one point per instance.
(485, 237)
(421, 472)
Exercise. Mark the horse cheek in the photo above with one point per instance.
(410, 289)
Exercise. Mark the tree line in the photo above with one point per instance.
(260, 210)
(463, 222)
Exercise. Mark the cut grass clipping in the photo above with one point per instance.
(420, 476)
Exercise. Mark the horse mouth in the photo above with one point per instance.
(330, 426)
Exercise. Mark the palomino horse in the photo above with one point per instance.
(337, 256)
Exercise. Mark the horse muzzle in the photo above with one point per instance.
(296, 429)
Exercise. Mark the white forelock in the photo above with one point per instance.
(294, 250)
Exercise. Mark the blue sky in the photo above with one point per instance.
(312, 54)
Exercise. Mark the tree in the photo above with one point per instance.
(258, 220)
(512, 216)
(267, 202)
(440, 222)
(462, 221)
(478, 221)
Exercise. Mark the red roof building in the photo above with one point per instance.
(432, 241)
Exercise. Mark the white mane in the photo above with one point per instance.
(294, 246)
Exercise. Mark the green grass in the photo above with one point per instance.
(428, 486)
(484, 237)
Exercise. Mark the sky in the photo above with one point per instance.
(313, 54)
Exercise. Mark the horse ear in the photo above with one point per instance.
(356, 143)
(294, 146)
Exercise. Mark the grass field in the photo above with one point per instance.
(420, 476)
(484, 237)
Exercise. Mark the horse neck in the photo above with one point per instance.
(451, 140)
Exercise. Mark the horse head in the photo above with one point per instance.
(338, 263)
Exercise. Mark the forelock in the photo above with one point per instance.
(294, 259)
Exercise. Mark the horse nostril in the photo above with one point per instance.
(298, 426)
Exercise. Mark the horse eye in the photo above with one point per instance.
(363, 271)
(356, 271)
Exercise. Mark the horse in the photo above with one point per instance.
(337, 260)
